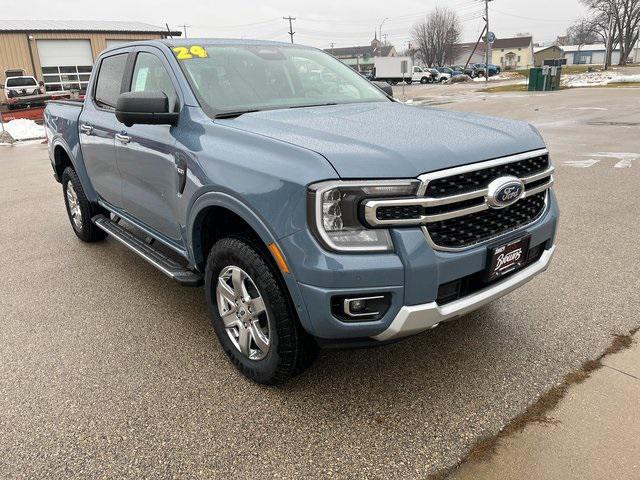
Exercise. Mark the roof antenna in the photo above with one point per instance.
(168, 31)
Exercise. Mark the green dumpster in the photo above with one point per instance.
(545, 79)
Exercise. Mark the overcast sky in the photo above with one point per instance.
(319, 22)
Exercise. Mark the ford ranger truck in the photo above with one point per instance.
(315, 209)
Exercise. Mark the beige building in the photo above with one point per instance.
(61, 53)
(513, 53)
(545, 54)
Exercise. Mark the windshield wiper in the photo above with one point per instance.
(315, 105)
(234, 114)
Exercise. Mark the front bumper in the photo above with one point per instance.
(415, 319)
(412, 275)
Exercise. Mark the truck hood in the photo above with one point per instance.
(391, 139)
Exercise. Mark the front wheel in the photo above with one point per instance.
(79, 209)
(424, 80)
(252, 316)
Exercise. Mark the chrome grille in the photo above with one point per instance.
(452, 207)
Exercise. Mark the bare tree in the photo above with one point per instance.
(617, 24)
(435, 37)
(582, 33)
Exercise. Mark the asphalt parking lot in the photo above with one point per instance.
(108, 369)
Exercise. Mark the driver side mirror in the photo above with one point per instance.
(385, 87)
(145, 108)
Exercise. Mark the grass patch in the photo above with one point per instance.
(538, 411)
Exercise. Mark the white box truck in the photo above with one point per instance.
(394, 70)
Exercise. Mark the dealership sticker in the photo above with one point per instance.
(186, 53)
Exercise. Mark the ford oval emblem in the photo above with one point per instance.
(505, 191)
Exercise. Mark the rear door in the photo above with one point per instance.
(97, 128)
(147, 155)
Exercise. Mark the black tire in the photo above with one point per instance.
(409, 82)
(291, 350)
(424, 80)
(84, 229)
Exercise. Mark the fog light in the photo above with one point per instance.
(361, 308)
(356, 306)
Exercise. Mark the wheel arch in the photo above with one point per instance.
(224, 207)
(63, 157)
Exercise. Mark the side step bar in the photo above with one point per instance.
(166, 265)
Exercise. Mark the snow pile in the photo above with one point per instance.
(23, 129)
(626, 79)
(500, 76)
(597, 79)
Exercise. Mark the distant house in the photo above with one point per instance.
(589, 54)
(463, 53)
(513, 53)
(362, 58)
(543, 54)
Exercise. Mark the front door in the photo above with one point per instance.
(146, 154)
(97, 129)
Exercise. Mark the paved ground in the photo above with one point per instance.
(593, 434)
(108, 369)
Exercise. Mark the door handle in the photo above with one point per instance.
(122, 138)
(86, 129)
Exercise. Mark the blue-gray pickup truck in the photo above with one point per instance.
(315, 209)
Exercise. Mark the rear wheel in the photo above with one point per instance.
(79, 209)
(424, 80)
(252, 316)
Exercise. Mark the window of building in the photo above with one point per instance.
(68, 77)
(109, 81)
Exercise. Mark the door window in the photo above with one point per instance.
(109, 81)
(149, 75)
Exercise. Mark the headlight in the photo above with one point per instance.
(335, 213)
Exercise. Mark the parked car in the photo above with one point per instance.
(445, 74)
(471, 71)
(481, 67)
(20, 90)
(316, 210)
(457, 70)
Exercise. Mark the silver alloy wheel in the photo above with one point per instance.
(243, 313)
(74, 206)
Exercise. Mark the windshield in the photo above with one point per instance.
(21, 82)
(237, 78)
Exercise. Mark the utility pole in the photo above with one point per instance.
(291, 32)
(385, 40)
(184, 27)
(381, 27)
(332, 44)
(488, 44)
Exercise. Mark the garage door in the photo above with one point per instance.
(66, 64)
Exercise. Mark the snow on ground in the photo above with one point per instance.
(595, 79)
(23, 129)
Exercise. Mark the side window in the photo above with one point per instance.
(110, 80)
(149, 75)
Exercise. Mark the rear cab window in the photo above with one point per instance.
(109, 81)
(21, 82)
